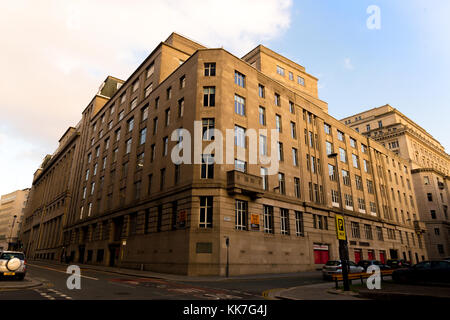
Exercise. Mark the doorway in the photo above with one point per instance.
(114, 251)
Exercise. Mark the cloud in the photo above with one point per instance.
(348, 64)
(56, 53)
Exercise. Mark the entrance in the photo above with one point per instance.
(358, 255)
(321, 254)
(382, 257)
(393, 253)
(81, 254)
(114, 251)
(370, 255)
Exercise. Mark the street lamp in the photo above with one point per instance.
(343, 247)
(227, 269)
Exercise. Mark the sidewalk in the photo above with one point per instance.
(319, 291)
(396, 291)
(174, 277)
(27, 283)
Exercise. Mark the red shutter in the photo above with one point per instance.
(357, 256)
(382, 258)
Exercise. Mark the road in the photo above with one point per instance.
(105, 285)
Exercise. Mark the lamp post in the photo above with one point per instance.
(10, 234)
(343, 247)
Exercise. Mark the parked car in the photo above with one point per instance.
(426, 271)
(398, 263)
(335, 267)
(13, 264)
(447, 259)
(366, 263)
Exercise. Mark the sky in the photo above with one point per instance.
(55, 54)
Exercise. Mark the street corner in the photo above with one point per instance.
(13, 284)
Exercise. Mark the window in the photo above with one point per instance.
(329, 147)
(268, 219)
(340, 135)
(370, 186)
(363, 148)
(150, 69)
(239, 105)
(140, 161)
(130, 124)
(368, 231)
(358, 182)
(352, 143)
(346, 177)
(280, 71)
(361, 205)
(262, 116)
(300, 80)
(278, 124)
(89, 158)
(210, 69)
(367, 166)
(277, 99)
(180, 108)
(429, 197)
(261, 92)
(291, 76)
(148, 90)
(239, 136)
(426, 181)
(379, 233)
(128, 146)
(299, 227)
(349, 201)
(263, 145)
(207, 169)
(240, 165)
(284, 221)
(327, 128)
(239, 79)
(294, 157)
(104, 163)
(156, 102)
(115, 152)
(84, 193)
(433, 214)
(297, 187)
(355, 161)
(87, 174)
(162, 180)
(241, 214)
(144, 113)
(332, 172)
(165, 146)
(135, 85)
(265, 178)
(291, 107)
(169, 93)
(209, 96)
(155, 125)
(355, 230)
(123, 97)
(280, 151)
(142, 136)
(133, 103)
(110, 124)
(342, 155)
(153, 152)
(293, 131)
(335, 198)
(121, 115)
(208, 129)
(89, 209)
(281, 183)
(167, 117)
(368, 127)
(182, 82)
(206, 212)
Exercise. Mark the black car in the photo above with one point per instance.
(366, 263)
(424, 272)
(398, 263)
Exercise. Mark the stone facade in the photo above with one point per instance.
(430, 169)
(131, 206)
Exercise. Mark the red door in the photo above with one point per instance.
(371, 255)
(321, 256)
(357, 255)
(382, 257)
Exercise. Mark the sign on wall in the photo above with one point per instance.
(254, 221)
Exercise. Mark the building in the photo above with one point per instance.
(430, 166)
(52, 188)
(132, 206)
(11, 212)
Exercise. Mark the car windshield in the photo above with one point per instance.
(10, 255)
(333, 263)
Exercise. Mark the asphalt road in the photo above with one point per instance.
(111, 286)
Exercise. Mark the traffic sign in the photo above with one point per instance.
(340, 227)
